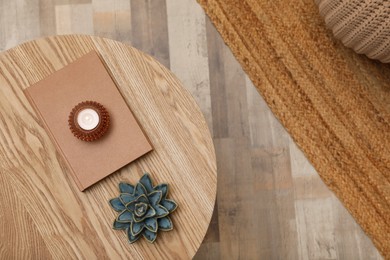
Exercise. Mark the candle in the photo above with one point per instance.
(88, 119)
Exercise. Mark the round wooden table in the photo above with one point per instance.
(42, 212)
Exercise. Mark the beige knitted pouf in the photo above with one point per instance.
(363, 25)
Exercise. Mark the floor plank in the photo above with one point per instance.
(150, 31)
(74, 18)
(188, 51)
(20, 22)
(112, 19)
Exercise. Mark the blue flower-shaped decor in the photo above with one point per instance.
(143, 208)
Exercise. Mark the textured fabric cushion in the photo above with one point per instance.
(363, 25)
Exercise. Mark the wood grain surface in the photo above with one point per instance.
(271, 203)
(41, 205)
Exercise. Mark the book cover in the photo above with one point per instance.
(54, 97)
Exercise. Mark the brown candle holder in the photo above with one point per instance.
(95, 133)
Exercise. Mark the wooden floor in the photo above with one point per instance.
(271, 203)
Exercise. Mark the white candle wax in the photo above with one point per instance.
(88, 119)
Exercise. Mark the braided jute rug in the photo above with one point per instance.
(334, 103)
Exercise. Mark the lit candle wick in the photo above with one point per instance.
(88, 119)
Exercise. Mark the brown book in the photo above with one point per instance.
(53, 99)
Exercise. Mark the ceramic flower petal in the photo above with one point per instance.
(126, 188)
(155, 197)
(126, 198)
(149, 235)
(143, 199)
(161, 211)
(140, 190)
(165, 224)
(151, 213)
(170, 205)
(151, 224)
(117, 204)
(125, 216)
(147, 182)
(136, 228)
(130, 237)
(119, 225)
(131, 205)
(163, 187)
